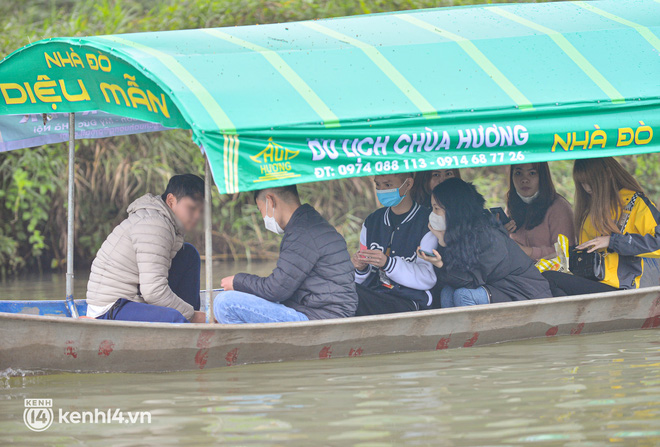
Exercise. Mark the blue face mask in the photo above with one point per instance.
(390, 197)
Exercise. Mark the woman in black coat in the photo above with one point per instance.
(477, 262)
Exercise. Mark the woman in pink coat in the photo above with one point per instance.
(538, 214)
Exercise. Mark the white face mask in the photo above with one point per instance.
(438, 222)
(270, 223)
(529, 199)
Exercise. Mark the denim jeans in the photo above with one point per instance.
(234, 307)
(450, 297)
(127, 310)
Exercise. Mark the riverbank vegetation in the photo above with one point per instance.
(110, 173)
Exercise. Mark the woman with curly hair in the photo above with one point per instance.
(477, 262)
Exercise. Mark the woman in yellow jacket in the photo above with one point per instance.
(612, 216)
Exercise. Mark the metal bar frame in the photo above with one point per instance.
(208, 242)
(70, 217)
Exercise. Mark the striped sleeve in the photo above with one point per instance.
(643, 237)
(415, 273)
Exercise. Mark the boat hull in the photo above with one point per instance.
(52, 343)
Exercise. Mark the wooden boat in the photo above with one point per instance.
(330, 99)
(42, 338)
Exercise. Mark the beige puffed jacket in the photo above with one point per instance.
(134, 260)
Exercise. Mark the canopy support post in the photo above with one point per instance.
(208, 245)
(70, 216)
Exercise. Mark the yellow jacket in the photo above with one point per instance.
(624, 263)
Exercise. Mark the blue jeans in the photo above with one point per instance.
(183, 279)
(234, 307)
(127, 310)
(450, 297)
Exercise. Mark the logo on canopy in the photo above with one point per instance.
(274, 162)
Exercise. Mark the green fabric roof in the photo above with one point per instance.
(306, 101)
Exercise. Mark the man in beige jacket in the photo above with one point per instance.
(144, 271)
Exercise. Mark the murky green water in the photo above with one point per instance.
(592, 390)
(573, 391)
(53, 286)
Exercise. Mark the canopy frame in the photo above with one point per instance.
(450, 87)
(73, 311)
(208, 241)
(386, 114)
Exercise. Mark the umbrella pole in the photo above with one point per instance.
(208, 246)
(70, 215)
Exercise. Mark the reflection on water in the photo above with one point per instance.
(52, 286)
(592, 390)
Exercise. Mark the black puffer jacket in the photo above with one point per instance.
(504, 269)
(314, 273)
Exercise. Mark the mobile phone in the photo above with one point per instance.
(430, 255)
(500, 214)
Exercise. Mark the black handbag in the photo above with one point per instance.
(587, 265)
(592, 265)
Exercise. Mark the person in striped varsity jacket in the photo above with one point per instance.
(390, 275)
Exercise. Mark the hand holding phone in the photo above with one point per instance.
(498, 212)
(427, 253)
(432, 257)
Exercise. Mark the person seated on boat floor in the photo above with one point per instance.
(425, 181)
(390, 276)
(313, 279)
(477, 262)
(538, 213)
(613, 217)
(144, 271)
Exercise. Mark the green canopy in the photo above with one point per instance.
(289, 103)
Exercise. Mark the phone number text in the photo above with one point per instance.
(443, 162)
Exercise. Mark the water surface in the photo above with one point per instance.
(52, 286)
(593, 390)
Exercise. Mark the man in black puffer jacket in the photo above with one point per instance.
(314, 278)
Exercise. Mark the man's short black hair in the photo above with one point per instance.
(286, 193)
(185, 185)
